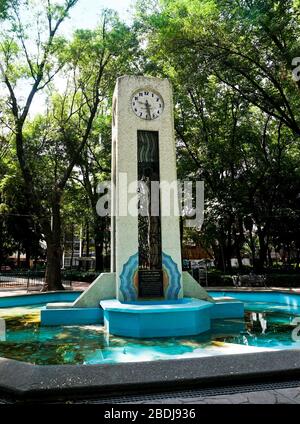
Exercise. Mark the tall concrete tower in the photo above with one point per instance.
(146, 251)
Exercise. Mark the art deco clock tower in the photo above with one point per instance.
(146, 294)
(146, 252)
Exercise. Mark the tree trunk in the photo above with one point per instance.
(228, 247)
(222, 266)
(288, 254)
(240, 240)
(99, 228)
(228, 260)
(227, 252)
(270, 260)
(1, 243)
(19, 257)
(297, 259)
(263, 250)
(54, 249)
(181, 228)
(239, 257)
(72, 247)
(252, 247)
(99, 267)
(87, 264)
(53, 270)
(27, 257)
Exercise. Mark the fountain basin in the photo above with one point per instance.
(182, 317)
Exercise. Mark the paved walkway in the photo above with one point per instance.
(78, 285)
(255, 395)
(249, 289)
(259, 397)
(15, 291)
(279, 396)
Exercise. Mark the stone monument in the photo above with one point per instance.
(146, 252)
(146, 294)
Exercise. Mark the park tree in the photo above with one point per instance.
(19, 230)
(3, 206)
(49, 148)
(236, 109)
(95, 168)
(32, 64)
(28, 58)
(4, 5)
(76, 216)
(81, 113)
(251, 46)
(94, 162)
(233, 66)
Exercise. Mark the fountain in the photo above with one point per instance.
(146, 294)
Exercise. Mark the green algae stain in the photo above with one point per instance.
(19, 322)
(26, 340)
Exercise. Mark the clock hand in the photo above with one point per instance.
(144, 103)
(148, 109)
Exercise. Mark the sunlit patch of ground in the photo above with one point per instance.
(20, 311)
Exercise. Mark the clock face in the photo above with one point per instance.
(147, 104)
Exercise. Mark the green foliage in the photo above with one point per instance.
(236, 115)
(4, 5)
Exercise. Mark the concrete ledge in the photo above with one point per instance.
(60, 305)
(28, 381)
(264, 295)
(227, 308)
(104, 287)
(184, 317)
(71, 316)
(38, 298)
(191, 288)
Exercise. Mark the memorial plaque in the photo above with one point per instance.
(150, 283)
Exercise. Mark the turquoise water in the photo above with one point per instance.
(265, 326)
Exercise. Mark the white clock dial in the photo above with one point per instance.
(147, 104)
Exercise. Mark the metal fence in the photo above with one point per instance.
(29, 280)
